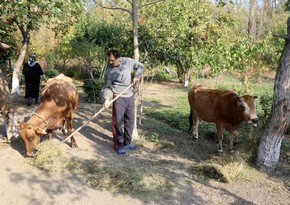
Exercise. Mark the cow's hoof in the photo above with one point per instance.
(220, 150)
(30, 155)
(194, 137)
(64, 132)
(74, 145)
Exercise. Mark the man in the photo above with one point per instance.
(32, 72)
(118, 77)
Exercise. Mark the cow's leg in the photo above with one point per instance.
(231, 137)
(195, 128)
(63, 128)
(230, 129)
(49, 134)
(195, 122)
(68, 122)
(219, 127)
(6, 124)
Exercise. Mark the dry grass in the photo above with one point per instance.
(224, 168)
(145, 182)
(49, 157)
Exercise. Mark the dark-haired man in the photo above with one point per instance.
(118, 77)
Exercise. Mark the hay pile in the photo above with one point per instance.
(49, 157)
(143, 181)
(223, 168)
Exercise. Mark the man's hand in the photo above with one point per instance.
(107, 104)
(135, 80)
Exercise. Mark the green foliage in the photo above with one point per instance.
(73, 73)
(93, 90)
(153, 138)
(162, 76)
(51, 73)
(265, 104)
(92, 38)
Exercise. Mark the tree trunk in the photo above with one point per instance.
(136, 57)
(15, 77)
(186, 77)
(252, 20)
(279, 119)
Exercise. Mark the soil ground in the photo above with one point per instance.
(21, 183)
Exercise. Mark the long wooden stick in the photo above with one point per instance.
(86, 123)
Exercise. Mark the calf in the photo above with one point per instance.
(224, 108)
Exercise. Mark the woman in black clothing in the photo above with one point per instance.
(32, 72)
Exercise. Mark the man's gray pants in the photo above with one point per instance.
(123, 116)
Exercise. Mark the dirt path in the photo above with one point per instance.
(21, 183)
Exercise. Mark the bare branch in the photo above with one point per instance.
(113, 7)
(150, 3)
(129, 2)
(285, 36)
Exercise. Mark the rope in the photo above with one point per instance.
(40, 117)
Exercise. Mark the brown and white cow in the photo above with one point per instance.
(222, 107)
(59, 99)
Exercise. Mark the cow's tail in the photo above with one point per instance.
(190, 121)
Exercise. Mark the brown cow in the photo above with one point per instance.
(224, 108)
(59, 99)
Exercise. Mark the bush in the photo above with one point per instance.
(73, 73)
(162, 76)
(265, 105)
(93, 90)
(51, 73)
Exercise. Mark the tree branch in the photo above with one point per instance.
(285, 36)
(129, 2)
(113, 7)
(150, 3)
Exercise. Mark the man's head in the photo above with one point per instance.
(114, 57)
(32, 59)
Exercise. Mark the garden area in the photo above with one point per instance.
(227, 45)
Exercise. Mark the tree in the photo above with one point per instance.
(91, 38)
(279, 119)
(195, 34)
(27, 16)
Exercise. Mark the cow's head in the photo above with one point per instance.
(30, 134)
(247, 108)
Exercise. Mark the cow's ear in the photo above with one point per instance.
(40, 131)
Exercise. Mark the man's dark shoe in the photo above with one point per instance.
(130, 147)
(29, 103)
(121, 151)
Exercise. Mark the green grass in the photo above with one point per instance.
(176, 115)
